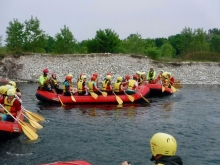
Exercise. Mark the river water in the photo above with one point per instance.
(107, 135)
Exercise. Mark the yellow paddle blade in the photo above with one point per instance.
(173, 89)
(163, 88)
(34, 115)
(60, 101)
(35, 124)
(177, 81)
(104, 94)
(33, 129)
(119, 100)
(94, 95)
(131, 98)
(177, 86)
(28, 131)
(73, 98)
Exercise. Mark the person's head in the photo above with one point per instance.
(108, 77)
(95, 74)
(135, 77)
(151, 68)
(127, 77)
(68, 77)
(162, 144)
(83, 77)
(138, 73)
(45, 71)
(93, 78)
(168, 74)
(3, 90)
(53, 75)
(11, 93)
(12, 83)
(119, 79)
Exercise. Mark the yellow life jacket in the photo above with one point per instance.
(9, 106)
(80, 86)
(90, 86)
(104, 84)
(44, 79)
(131, 84)
(117, 86)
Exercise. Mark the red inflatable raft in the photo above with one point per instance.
(156, 90)
(9, 130)
(46, 96)
(77, 162)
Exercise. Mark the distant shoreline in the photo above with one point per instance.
(28, 68)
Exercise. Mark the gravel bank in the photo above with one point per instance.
(29, 67)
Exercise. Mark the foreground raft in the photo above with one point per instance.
(76, 162)
(10, 130)
(46, 96)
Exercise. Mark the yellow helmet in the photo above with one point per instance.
(12, 83)
(9, 86)
(108, 77)
(164, 74)
(11, 92)
(138, 72)
(120, 79)
(168, 74)
(70, 75)
(83, 77)
(163, 144)
(143, 73)
(3, 90)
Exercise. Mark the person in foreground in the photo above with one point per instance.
(163, 148)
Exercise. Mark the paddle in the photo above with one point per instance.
(72, 97)
(131, 98)
(118, 98)
(25, 127)
(103, 93)
(94, 95)
(33, 122)
(60, 100)
(163, 88)
(143, 97)
(29, 113)
(177, 86)
(56, 93)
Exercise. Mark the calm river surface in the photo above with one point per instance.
(107, 134)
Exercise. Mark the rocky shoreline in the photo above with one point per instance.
(28, 68)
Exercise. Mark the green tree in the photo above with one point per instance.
(199, 41)
(14, 36)
(65, 42)
(215, 43)
(133, 44)
(167, 50)
(34, 37)
(150, 49)
(107, 41)
(49, 46)
(187, 39)
(176, 42)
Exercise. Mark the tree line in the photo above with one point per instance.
(189, 44)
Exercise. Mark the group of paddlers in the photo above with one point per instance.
(10, 102)
(126, 84)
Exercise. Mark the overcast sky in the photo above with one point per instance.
(149, 18)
